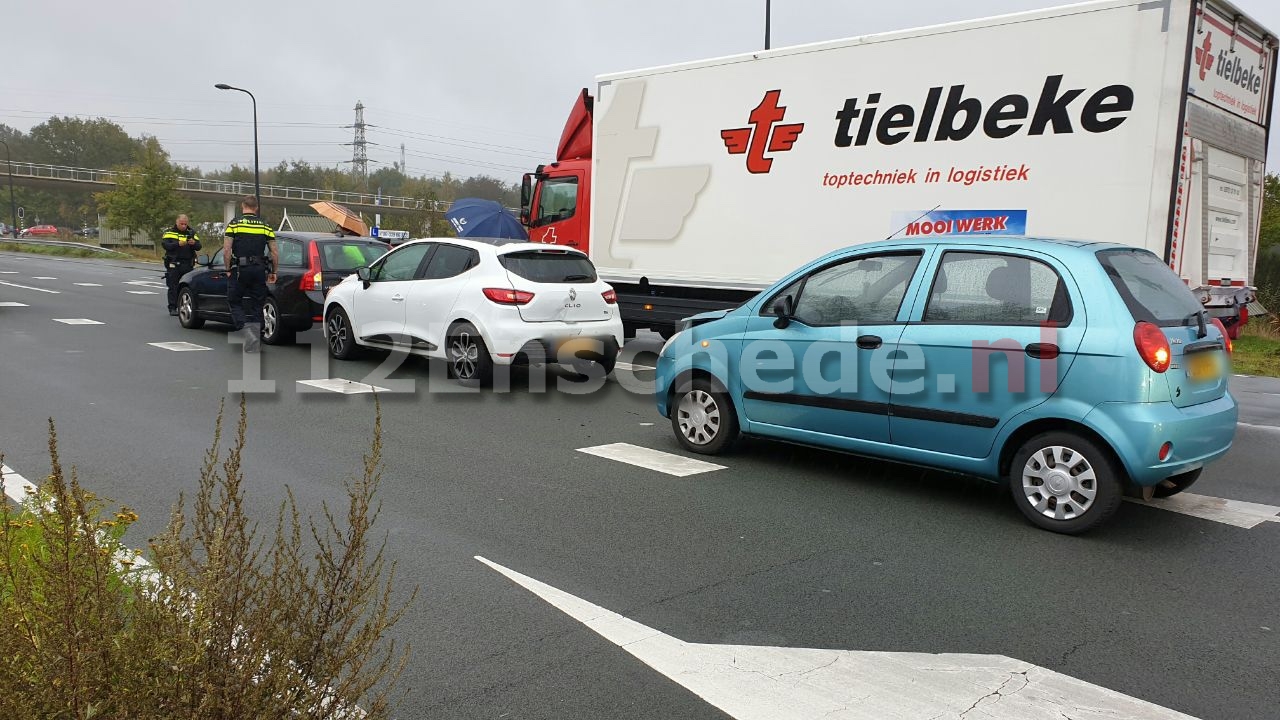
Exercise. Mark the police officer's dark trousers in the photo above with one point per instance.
(246, 291)
(174, 270)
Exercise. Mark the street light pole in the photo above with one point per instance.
(767, 14)
(13, 206)
(257, 183)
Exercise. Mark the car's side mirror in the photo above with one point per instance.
(363, 274)
(203, 259)
(784, 309)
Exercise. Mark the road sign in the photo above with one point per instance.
(373, 231)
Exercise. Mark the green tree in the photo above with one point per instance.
(1270, 234)
(146, 198)
(97, 144)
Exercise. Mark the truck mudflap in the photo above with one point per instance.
(1229, 303)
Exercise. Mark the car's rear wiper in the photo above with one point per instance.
(575, 278)
(1198, 316)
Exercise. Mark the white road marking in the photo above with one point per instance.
(13, 304)
(179, 346)
(1252, 426)
(42, 277)
(143, 292)
(147, 283)
(632, 366)
(780, 683)
(89, 284)
(1237, 513)
(28, 287)
(664, 462)
(77, 321)
(15, 486)
(8, 272)
(339, 385)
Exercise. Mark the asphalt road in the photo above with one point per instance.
(783, 547)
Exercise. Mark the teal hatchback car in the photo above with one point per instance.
(1075, 372)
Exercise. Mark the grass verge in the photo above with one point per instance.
(1257, 350)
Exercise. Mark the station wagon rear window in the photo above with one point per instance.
(1151, 290)
(549, 267)
(340, 256)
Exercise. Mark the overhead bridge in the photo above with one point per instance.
(59, 177)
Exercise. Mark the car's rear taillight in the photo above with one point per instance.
(1152, 345)
(314, 279)
(507, 296)
(1226, 337)
(610, 296)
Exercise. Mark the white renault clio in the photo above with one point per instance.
(477, 303)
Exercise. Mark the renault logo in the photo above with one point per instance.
(573, 294)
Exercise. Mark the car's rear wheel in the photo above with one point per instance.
(469, 359)
(188, 316)
(1065, 483)
(1173, 485)
(274, 331)
(338, 333)
(703, 418)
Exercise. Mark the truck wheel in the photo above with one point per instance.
(703, 418)
(1064, 483)
(1176, 484)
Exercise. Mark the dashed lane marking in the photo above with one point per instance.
(632, 366)
(663, 462)
(1236, 513)
(77, 321)
(1252, 426)
(28, 287)
(143, 292)
(750, 682)
(8, 272)
(13, 304)
(16, 487)
(89, 284)
(339, 385)
(42, 277)
(179, 346)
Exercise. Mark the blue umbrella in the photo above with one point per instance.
(474, 217)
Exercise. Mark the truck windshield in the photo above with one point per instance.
(557, 200)
(549, 267)
(1150, 289)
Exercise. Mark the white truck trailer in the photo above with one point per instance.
(1143, 122)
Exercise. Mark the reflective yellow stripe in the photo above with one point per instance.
(172, 236)
(251, 230)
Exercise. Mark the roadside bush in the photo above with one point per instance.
(1266, 277)
(217, 625)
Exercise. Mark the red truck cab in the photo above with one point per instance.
(555, 200)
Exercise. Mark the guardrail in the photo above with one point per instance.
(57, 243)
(231, 188)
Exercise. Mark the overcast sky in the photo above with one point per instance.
(469, 87)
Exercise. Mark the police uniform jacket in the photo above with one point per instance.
(249, 238)
(180, 246)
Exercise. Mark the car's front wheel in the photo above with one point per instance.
(338, 333)
(188, 316)
(703, 418)
(469, 359)
(1065, 483)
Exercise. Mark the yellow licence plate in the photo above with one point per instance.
(1204, 366)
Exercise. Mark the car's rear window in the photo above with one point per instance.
(1151, 290)
(349, 255)
(549, 267)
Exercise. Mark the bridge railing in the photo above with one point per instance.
(226, 187)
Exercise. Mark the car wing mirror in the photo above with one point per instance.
(204, 259)
(363, 274)
(784, 309)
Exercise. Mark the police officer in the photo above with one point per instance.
(244, 251)
(180, 244)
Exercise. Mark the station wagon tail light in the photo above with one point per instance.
(507, 296)
(314, 279)
(1226, 339)
(610, 296)
(1152, 345)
